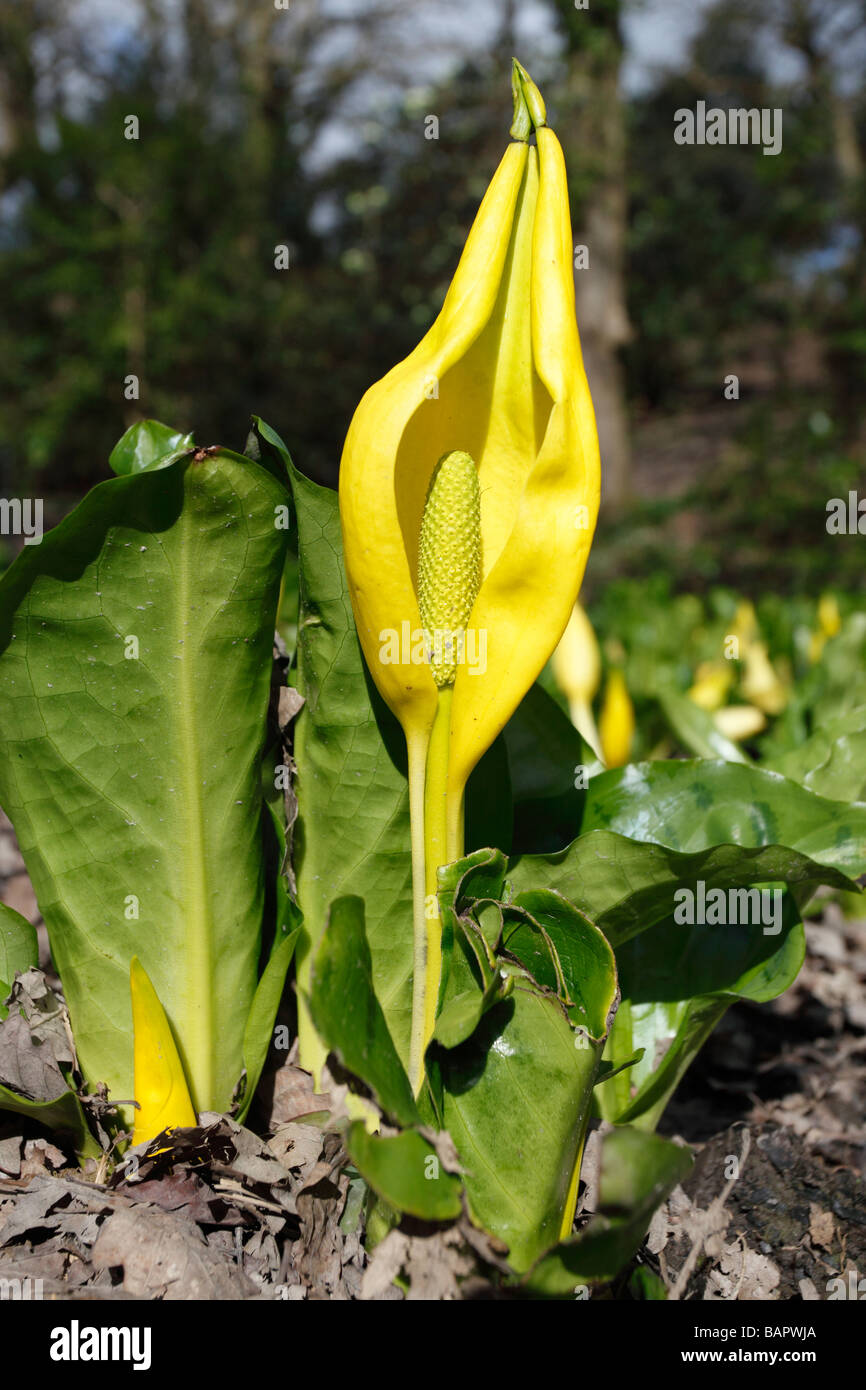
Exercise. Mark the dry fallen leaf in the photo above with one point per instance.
(164, 1256)
(822, 1227)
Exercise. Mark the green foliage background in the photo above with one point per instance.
(307, 127)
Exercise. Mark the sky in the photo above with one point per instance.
(657, 32)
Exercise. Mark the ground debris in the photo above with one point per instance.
(760, 1226)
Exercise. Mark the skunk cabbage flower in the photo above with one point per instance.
(576, 667)
(160, 1084)
(829, 623)
(498, 376)
(740, 721)
(494, 402)
(713, 680)
(761, 683)
(616, 721)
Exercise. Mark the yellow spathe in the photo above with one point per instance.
(499, 376)
(160, 1084)
(616, 724)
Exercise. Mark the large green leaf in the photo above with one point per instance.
(677, 981)
(548, 761)
(833, 761)
(515, 1094)
(19, 950)
(627, 885)
(690, 806)
(638, 1171)
(348, 1015)
(352, 833)
(515, 1101)
(135, 653)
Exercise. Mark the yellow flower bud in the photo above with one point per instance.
(739, 721)
(576, 666)
(829, 623)
(829, 616)
(616, 723)
(160, 1084)
(713, 680)
(760, 683)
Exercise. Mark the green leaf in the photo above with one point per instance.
(347, 1013)
(489, 813)
(564, 951)
(677, 981)
(260, 1022)
(135, 655)
(672, 1034)
(515, 1102)
(65, 1116)
(697, 730)
(462, 1013)
(405, 1171)
(352, 834)
(608, 1069)
(690, 806)
(546, 756)
(833, 761)
(19, 950)
(647, 1286)
(282, 919)
(638, 1171)
(628, 885)
(148, 444)
(524, 1060)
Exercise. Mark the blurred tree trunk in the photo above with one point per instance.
(803, 24)
(595, 137)
(18, 22)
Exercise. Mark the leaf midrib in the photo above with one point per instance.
(197, 1043)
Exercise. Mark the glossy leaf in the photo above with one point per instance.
(638, 1171)
(833, 761)
(148, 444)
(564, 951)
(135, 653)
(627, 885)
(348, 1015)
(677, 981)
(690, 806)
(405, 1170)
(352, 833)
(515, 1102)
(524, 1059)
